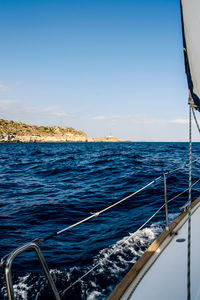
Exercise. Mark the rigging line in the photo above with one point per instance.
(106, 259)
(162, 208)
(109, 207)
(174, 170)
(126, 240)
(183, 191)
(195, 120)
(189, 206)
(99, 212)
(79, 279)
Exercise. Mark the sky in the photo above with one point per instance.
(108, 67)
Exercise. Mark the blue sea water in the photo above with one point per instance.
(47, 187)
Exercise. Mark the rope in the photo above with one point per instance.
(40, 240)
(183, 191)
(127, 239)
(111, 206)
(185, 165)
(106, 259)
(195, 120)
(144, 224)
(98, 213)
(189, 207)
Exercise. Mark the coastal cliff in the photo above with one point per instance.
(11, 131)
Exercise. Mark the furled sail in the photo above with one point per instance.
(191, 42)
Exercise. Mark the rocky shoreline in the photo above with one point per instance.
(14, 132)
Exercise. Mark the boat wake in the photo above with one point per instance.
(102, 275)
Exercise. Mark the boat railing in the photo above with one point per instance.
(6, 261)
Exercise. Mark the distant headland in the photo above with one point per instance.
(11, 131)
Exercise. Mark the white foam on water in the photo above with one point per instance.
(112, 263)
(94, 295)
(117, 259)
(128, 249)
(172, 216)
(20, 289)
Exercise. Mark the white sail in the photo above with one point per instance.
(191, 37)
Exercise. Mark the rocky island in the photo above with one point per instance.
(11, 131)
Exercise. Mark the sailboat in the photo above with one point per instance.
(170, 267)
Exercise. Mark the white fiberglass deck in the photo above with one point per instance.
(167, 277)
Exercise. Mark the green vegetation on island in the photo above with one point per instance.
(11, 131)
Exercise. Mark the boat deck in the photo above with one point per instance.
(164, 276)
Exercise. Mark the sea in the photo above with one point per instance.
(46, 187)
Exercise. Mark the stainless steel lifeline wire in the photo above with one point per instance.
(39, 240)
(126, 240)
(96, 214)
(195, 120)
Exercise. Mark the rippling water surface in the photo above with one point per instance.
(47, 187)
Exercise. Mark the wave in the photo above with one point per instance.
(107, 268)
(45, 187)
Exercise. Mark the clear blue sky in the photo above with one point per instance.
(98, 65)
